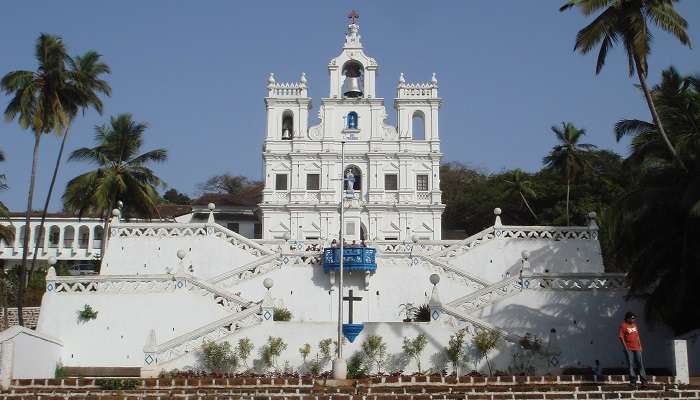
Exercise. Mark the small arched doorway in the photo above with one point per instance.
(363, 232)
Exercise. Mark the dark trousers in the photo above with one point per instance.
(634, 360)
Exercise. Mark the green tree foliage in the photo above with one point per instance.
(243, 350)
(172, 196)
(304, 351)
(413, 348)
(627, 22)
(484, 342)
(374, 353)
(655, 227)
(272, 350)
(226, 183)
(568, 157)
(45, 101)
(122, 173)
(219, 358)
(455, 350)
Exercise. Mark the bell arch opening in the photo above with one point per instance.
(353, 79)
(287, 125)
(418, 126)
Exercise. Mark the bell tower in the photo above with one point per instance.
(352, 73)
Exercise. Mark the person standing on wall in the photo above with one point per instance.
(629, 336)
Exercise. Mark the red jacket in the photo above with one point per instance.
(629, 334)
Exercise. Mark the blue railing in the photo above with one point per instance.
(355, 259)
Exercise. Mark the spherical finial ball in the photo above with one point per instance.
(497, 211)
(181, 254)
(414, 238)
(120, 204)
(287, 236)
(52, 260)
(116, 212)
(592, 215)
(434, 279)
(525, 254)
(268, 282)
(211, 206)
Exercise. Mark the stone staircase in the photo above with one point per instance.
(377, 388)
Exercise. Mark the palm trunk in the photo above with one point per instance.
(488, 363)
(654, 114)
(27, 231)
(528, 205)
(48, 199)
(568, 185)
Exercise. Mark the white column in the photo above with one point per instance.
(90, 239)
(76, 236)
(60, 240)
(45, 236)
(680, 361)
(7, 356)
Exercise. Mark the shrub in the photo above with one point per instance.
(243, 350)
(281, 314)
(87, 313)
(60, 371)
(219, 358)
(172, 374)
(272, 350)
(422, 313)
(374, 350)
(356, 369)
(305, 350)
(455, 350)
(315, 367)
(484, 341)
(414, 348)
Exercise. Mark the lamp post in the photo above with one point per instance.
(339, 365)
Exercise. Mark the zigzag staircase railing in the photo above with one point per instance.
(57, 285)
(264, 265)
(453, 272)
(467, 244)
(166, 352)
(488, 295)
(164, 230)
(472, 325)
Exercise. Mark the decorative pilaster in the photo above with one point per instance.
(268, 304)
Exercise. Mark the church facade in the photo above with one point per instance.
(395, 170)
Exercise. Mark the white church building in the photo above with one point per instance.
(167, 288)
(396, 169)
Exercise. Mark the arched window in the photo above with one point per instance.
(353, 82)
(98, 232)
(13, 233)
(39, 235)
(54, 233)
(68, 236)
(352, 120)
(353, 173)
(418, 125)
(83, 237)
(287, 125)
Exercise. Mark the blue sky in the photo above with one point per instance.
(196, 72)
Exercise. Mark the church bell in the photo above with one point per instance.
(352, 88)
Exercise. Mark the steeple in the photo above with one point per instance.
(352, 37)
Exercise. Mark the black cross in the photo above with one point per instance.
(351, 299)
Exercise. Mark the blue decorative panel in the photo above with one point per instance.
(149, 359)
(354, 259)
(436, 315)
(267, 315)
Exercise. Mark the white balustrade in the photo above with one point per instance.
(63, 238)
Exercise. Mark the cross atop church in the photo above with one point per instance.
(353, 16)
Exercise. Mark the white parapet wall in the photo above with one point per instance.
(31, 354)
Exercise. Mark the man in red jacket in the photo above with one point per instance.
(629, 336)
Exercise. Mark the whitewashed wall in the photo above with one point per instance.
(117, 337)
(35, 354)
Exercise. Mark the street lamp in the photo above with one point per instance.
(339, 364)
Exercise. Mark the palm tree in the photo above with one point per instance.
(83, 78)
(43, 102)
(662, 262)
(569, 156)
(121, 175)
(518, 184)
(628, 21)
